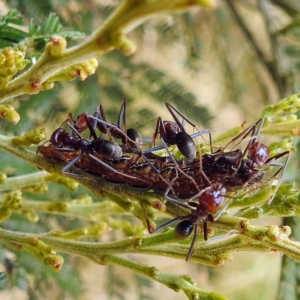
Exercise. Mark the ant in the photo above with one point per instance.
(72, 142)
(173, 133)
(209, 201)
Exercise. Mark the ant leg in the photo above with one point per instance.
(171, 109)
(205, 230)
(191, 249)
(159, 125)
(165, 225)
(99, 115)
(253, 130)
(270, 162)
(112, 169)
(92, 131)
(257, 128)
(121, 119)
(281, 170)
(176, 201)
(112, 126)
(69, 166)
(69, 119)
(71, 163)
(177, 168)
(74, 130)
(199, 194)
(154, 168)
(222, 210)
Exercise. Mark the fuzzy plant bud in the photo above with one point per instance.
(29, 138)
(55, 261)
(13, 200)
(40, 188)
(81, 70)
(30, 215)
(8, 112)
(84, 199)
(289, 105)
(95, 230)
(11, 61)
(58, 46)
(126, 46)
(59, 207)
(47, 86)
(67, 182)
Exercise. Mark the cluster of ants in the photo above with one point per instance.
(198, 183)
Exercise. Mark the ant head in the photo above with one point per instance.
(81, 122)
(169, 131)
(57, 137)
(211, 199)
(258, 153)
(184, 229)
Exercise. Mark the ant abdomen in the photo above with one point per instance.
(135, 136)
(110, 150)
(185, 144)
(184, 229)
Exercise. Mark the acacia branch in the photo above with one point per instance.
(111, 35)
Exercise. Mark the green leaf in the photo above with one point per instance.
(13, 17)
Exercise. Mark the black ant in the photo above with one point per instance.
(72, 142)
(173, 133)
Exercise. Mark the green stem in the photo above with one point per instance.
(175, 282)
(19, 182)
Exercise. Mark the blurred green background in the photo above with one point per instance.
(218, 67)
